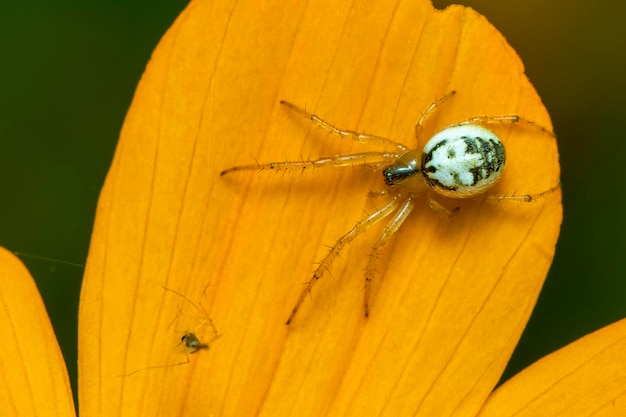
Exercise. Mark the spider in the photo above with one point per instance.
(190, 339)
(463, 160)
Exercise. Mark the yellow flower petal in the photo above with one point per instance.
(453, 295)
(585, 378)
(33, 377)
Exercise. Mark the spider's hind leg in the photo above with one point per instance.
(522, 198)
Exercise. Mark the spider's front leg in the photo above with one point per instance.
(374, 159)
(348, 134)
(513, 119)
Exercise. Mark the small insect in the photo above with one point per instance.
(190, 340)
(463, 160)
(192, 343)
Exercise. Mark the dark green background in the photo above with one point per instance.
(69, 69)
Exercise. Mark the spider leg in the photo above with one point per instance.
(348, 134)
(486, 120)
(378, 193)
(364, 158)
(524, 198)
(382, 241)
(429, 111)
(359, 228)
(439, 208)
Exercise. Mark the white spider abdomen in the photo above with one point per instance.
(462, 161)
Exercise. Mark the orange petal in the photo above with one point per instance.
(584, 378)
(453, 296)
(33, 377)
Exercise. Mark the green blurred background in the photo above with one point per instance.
(69, 69)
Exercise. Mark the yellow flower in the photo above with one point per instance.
(452, 296)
